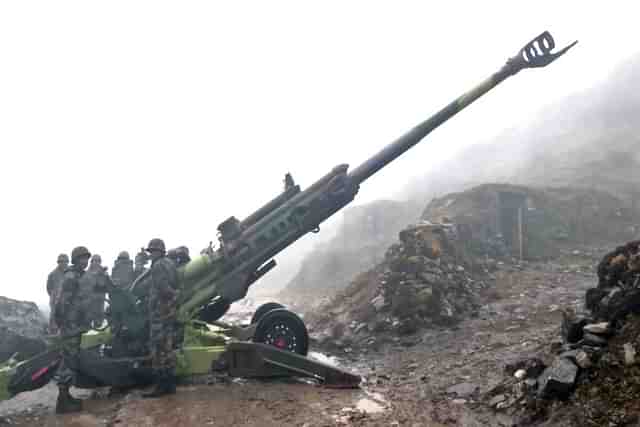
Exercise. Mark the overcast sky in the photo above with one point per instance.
(121, 121)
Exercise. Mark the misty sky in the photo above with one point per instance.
(121, 121)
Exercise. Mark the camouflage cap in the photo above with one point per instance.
(78, 252)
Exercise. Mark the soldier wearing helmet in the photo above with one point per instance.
(70, 315)
(53, 288)
(140, 264)
(163, 295)
(91, 286)
(122, 271)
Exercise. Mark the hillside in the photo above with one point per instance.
(360, 242)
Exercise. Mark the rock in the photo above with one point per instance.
(629, 354)
(407, 327)
(520, 374)
(359, 328)
(570, 354)
(601, 328)
(22, 318)
(618, 303)
(463, 389)
(497, 399)
(533, 367)
(572, 326)
(583, 359)
(378, 302)
(594, 340)
(557, 380)
(22, 329)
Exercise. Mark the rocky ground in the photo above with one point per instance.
(439, 376)
(22, 329)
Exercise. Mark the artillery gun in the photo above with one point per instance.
(276, 341)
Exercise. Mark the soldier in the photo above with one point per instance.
(122, 272)
(140, 266)
(53, 289)
(71, 316)
(180, 255)
(93, 292)
(162, 319)
(183, 257)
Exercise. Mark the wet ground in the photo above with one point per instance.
(430, 379)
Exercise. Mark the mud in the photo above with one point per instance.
(432, 378)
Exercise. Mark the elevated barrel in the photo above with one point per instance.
(537, 53)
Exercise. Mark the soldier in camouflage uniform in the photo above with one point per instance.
(122, 272)
(163, 295)
(179, 256)
(71, 315)
(93, 292)
(140, 265)
(53, 289)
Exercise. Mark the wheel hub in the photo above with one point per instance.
(282, 337)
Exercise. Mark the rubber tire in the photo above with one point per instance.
(291, 321)
(214, 311)
(264, 309)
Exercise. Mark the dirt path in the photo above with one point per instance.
(430, 379)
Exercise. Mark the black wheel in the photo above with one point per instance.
(264, 309)
(283, 329)
(214, 310)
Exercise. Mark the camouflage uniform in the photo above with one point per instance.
(162, 310)
(71, 316)
(93, 295)
(54, 280)
(163, 296)
(141, 262)
(122, 272)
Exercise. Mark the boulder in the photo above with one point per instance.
(601, 328)
(22, 329)
(583, 359)
(572, 326)
(593, 340)
(557, 381)
(22, 317)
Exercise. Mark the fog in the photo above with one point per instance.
(588, 139)
(124, 121)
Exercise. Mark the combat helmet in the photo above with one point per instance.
(156, 244)
(124, 255)
(79, 252)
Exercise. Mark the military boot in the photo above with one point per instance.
(165, 384)
(67, 403)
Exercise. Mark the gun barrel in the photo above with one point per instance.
(534, 54)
